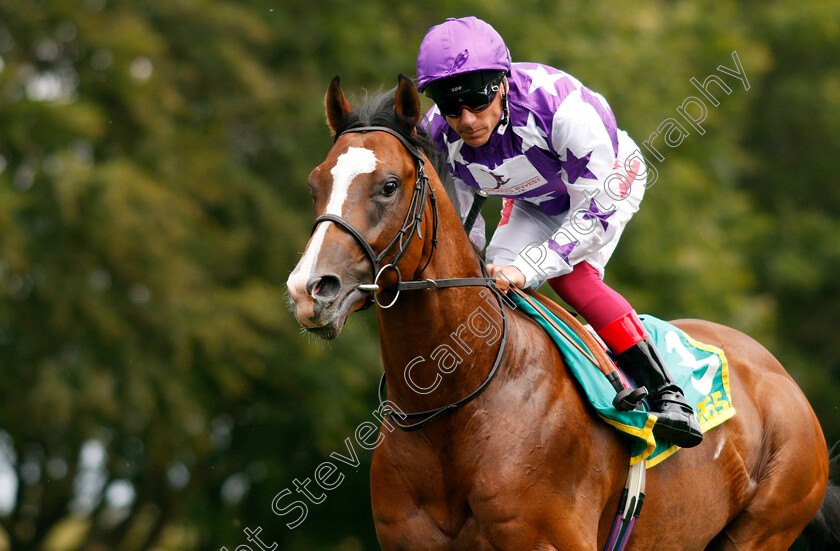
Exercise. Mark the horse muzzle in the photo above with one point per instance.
(322, 302)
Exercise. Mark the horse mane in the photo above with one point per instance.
(378, 110)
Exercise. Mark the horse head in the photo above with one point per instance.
(363, 195)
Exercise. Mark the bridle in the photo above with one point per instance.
(410, 227)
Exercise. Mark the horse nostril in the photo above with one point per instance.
(324, 287)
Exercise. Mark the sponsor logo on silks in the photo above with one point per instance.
(500, 180)
(460, 59)
(536, 180)
(514, 176)
(565, 250)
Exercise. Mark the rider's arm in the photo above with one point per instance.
(586, 149)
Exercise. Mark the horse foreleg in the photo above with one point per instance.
(416, 532)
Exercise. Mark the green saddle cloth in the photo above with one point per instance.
(700, 370)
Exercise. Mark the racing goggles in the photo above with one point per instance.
(450, 99)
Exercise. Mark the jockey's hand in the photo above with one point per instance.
(506, 276)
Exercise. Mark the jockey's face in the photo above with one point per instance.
(476, 127)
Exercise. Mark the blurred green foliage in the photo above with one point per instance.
(156, 392)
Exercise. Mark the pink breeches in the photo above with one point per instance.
(608, 312)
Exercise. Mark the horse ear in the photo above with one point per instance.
(407, 103)
(337, 107)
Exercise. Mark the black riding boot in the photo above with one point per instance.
(675, 417)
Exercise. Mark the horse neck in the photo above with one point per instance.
(427, 332)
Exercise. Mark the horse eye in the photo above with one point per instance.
(390, 188)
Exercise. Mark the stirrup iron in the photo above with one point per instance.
(628, 399)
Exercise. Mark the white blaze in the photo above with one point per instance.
(350, 164)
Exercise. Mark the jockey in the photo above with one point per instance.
(569, 178)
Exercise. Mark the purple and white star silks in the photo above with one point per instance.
(544, 108)
(594, 213)
(531, 134)
(577, 167)
(563, 250)
(453, 151)
(558, 150)
(540, 78)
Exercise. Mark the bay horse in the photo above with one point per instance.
(524, 463)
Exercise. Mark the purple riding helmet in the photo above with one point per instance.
(459, 60)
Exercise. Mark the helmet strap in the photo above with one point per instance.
(505, 112)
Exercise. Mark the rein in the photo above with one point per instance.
(428, 417)
(410, 227)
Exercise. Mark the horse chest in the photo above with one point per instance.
(496, 499)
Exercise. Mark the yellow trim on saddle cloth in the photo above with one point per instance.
(705, 425)
(645, 433)
(660, 457)
(728, 412)
(724, 363)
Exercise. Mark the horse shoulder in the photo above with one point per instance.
(542, 443)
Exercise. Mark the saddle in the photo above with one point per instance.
(701, 371)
